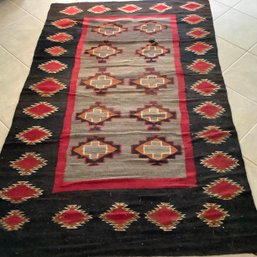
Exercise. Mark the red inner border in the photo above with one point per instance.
(122, 183)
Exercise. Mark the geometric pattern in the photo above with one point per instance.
(55, 50)
(61, 37)
(153, 115)
(201, 66)
(13, 220)
(205, 87)
(160, 7)
(28, 163)
(52, 66)
(220, 162)
(197, 33)
(47, 87)
(192, 6)
(212, 214)
(224, 189)
(109, 29)
(40, 110)
(214, 135)
(71, 217)
(96, 115)
(156, 149)
(119, 216)
(71, 10)
(165, 216)
(64, 23)
(151, 81)
(95, 149)
(209, 110)
(150, 27)
(193, 19)
(101, 82)
(199, 48)
(98, 9)
(34, 135)
(20, 192)
(129, 8)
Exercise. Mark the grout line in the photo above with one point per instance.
(248, 132)
(1, 122)
(235, 62)
(249, 160)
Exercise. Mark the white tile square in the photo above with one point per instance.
(247, 6)
(218, 9)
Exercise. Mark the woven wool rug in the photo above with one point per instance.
(122, 143)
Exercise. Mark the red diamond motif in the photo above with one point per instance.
(213, 215)
(56, 50)
(52, 66)
(198, 33)
(224, 189)
(34, 135)
(71, 217)
(165, 216)
(201, 66)
(40, 110)
(14, 220)
(98, 9)
(60, 37)
(47, 87)
(213, 135)
(199, 48)
(64, 23)
(192, 6)
(209, 110)
(20, 192)
(119, 216)
(220, 162)
(160, 7)
(28, 163)
(130, 8)
(71, 10)
(193, 19)
(205, 87)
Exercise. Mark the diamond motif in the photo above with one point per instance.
(103, 51)
(52, 66)
(214, 135)
(165, 216)
(199, 48)
(40, 110)
(152, 51)
(193, 19)
(71, 10)
(192, 6)
(96, 115)
(101, 82)
(71, 217)
(55, 50)
(201, 66)
(119, 216)
(14, 220)
(34, 135)
(224, 189)
(156, 149)
(28, 163)
(152, 81)
(109, 29)
(198, 33)
(60, 37)
(95, 149)
(205, 87)
(213, 215)
(220, 162)
(64, 23)
(150, 27)
(160, 7)
(153, 115)
(47, 87)
(20, 192)
(98, 9)
(209, 110)
(129, 8)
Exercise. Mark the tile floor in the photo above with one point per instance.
(235, 25)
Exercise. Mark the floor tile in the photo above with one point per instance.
(11, 41)
(229, 2)
(237, 28)
(3, 134)
(253, 50)
(244, 112)
(247, 6)
(15, 74)
(242, 76)
(218, 9)
(228, 53)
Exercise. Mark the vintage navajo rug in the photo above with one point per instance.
(122, 143)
